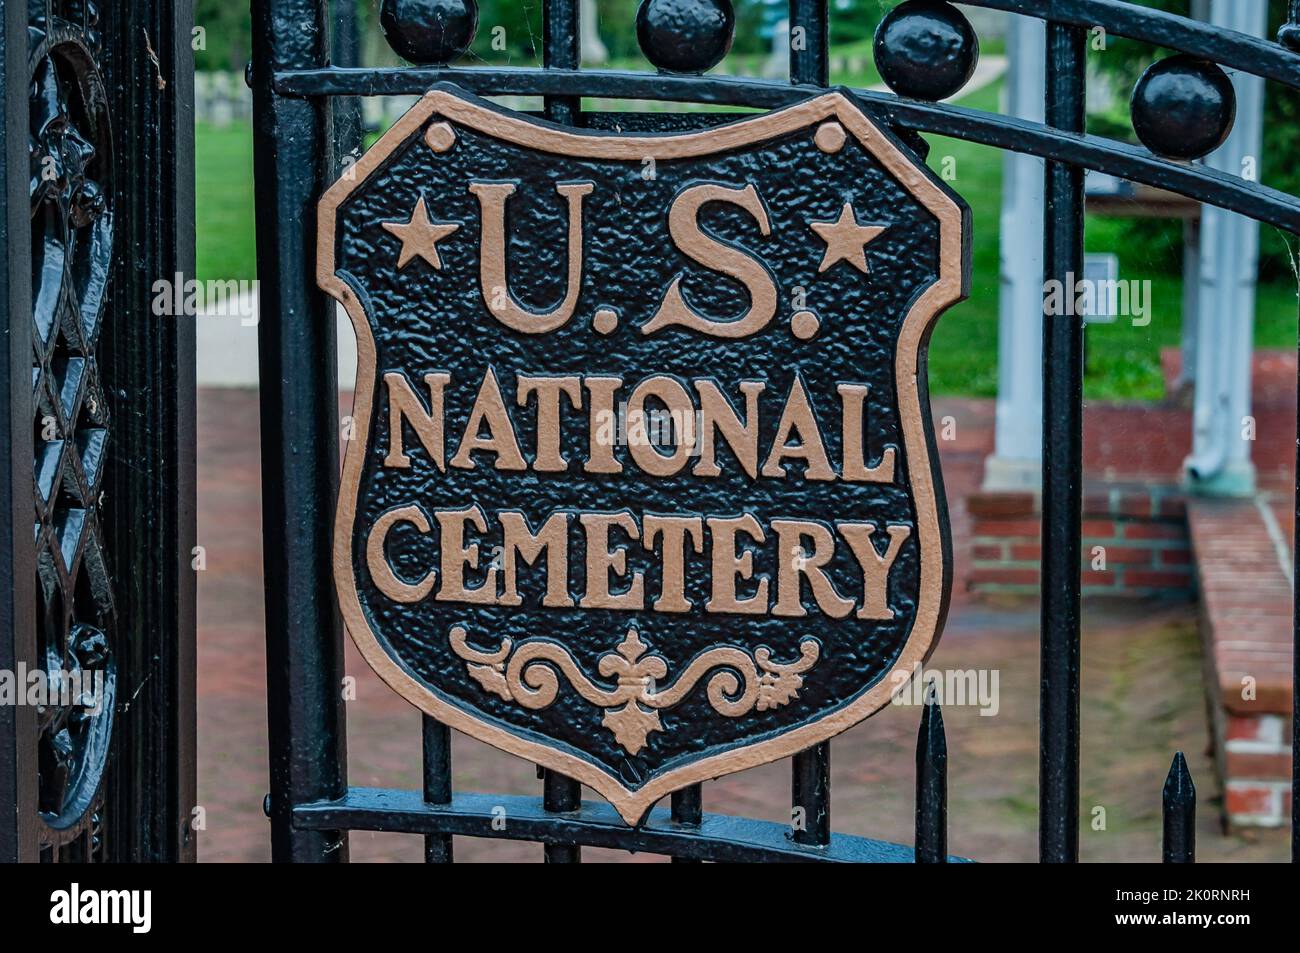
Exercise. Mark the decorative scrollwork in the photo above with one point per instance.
(71, 186)
(738, 682)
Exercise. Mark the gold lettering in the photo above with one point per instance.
(798, 415)
(675, 530)
(875, 568)
(602, 427)
(730, 260)
(728, 566)
(489, 408)
(852, 399)
(681, 417)
(548, 389)
(718, 414)
(521, 541)
(500, 301)
(456, 555)
(600, 560)
(404, 405)
(377, 561)
(793, 562)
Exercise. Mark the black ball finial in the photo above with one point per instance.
(1183, 107)
(685, 36)
(429, 32)
(926, 49)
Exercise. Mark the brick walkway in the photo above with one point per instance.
(1142, 700)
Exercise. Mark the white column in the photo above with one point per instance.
(1220, 463)
(1017, 459)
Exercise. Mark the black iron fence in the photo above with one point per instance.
(97, 425)
(311, 804)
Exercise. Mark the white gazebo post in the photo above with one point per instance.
(1016, 463)
(1220, 463)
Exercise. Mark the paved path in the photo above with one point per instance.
(1142, 700)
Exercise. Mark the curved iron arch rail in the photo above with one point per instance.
(718, 837)
(563, 822)
(1092, 152)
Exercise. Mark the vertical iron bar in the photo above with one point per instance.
(810, 778)
(1062, 463)
(18, 729)
(931, 785)
(562, 49)
(349, 128)
(1179, 804)
(299, 369)
(560, 795)
(688, 810)
(148, 373)
(809, 43)
(811, 794)
(437, 784)
(1295, 645)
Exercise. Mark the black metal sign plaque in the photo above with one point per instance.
(642, 486)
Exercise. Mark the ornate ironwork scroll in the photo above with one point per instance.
(72, 239)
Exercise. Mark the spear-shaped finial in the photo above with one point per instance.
(1180, 814)
(931, 784)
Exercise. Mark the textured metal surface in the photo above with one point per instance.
(1184, 107)
(926, 49)
(429, 320)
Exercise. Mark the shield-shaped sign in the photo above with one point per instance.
(642, 484)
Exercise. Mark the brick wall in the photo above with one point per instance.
(1135, 542)
(1246, 630)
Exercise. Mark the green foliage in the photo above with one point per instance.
(227, 34)
(1123, 62)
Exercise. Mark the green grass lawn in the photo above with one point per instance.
(1123, 361)
(223, 171)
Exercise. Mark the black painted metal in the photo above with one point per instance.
(1184, 107)
(1090, 152)
(1250, 54)
(429, 31)
(18, 731)
(561, 795)
(719, 837)
(1179, 808)
(810, 60)
(926, 49)
(1058, 802)
(437, 784)
(561, 49)
(810, 796)
(103, 394)
(931, 786)
(298, 365)
(148, 368)
(685, 36)
(688, 811)
(560, 820)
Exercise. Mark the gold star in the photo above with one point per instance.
(420, 236)
(846, 240)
